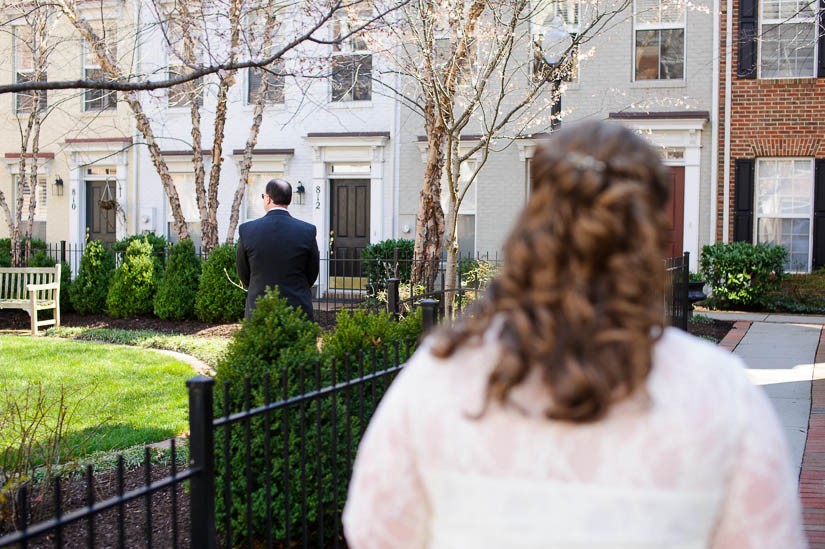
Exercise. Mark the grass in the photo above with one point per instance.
(209, 350)
(124, 397)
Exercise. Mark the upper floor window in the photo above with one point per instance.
(98, 100)
(275, 84)
(351, 62)
(788, 38)
(180, 95)
(659, 28)
(25, 50)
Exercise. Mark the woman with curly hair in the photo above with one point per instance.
(562, 412)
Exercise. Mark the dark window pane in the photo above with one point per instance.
(672, 54)
(275, 92)
(24, 101)
(98, 100)
(351, 77)
(647, 55)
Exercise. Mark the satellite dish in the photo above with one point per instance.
(555, 41)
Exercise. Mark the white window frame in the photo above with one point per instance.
(248, 196)
(172, 60)
(817, 30)
(660, 26)
(809, 217)
(89, 61)
(346, 48)
(464, 208)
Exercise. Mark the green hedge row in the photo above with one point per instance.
(281, 345)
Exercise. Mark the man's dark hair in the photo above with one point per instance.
(280, 191)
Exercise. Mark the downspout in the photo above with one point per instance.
(714, 123)
(396, 159)
(136, 134)
(726, 164)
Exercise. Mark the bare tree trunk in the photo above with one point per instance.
(429, 223)
(33, 178)
(246, 163)
(16, 237)
(109, 65)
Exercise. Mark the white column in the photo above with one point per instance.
(317, 198)
(76, 232)
(693, 175)
(377, 194)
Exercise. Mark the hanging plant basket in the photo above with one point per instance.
(107, 199)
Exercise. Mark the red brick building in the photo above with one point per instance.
(771, 186)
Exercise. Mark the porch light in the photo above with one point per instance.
(300, 194)
(57, 188)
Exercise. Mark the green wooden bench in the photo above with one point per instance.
(31, 289)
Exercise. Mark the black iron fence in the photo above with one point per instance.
(677, 304)
(272, 474)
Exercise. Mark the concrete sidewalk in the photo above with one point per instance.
(780, 358)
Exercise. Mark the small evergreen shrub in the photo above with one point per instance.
(91, 286)
(218, 299)
(741, 274)
(132, 289)
(178, 289)
(5, 249)
(157, 242)
(377, 262)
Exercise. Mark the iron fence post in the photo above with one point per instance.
(201, 457)
(62, 251)
(392, 297)
(686, 306)
(427, 315)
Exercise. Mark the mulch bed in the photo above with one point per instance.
(106, 524)
(718, 329)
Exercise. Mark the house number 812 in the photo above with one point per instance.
(318, 197)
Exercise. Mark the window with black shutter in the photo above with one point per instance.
(821, 68)
(743, 200)
(747, 39)
(819, 214)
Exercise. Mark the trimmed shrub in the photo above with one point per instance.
(218, 299)
(42, 259)
(741, 274)
(377, 262)
(178, 289)
(91, 286)
(370, 333)
(133, 286)
(157, 242)
(280, 341)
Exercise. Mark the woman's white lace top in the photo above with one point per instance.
(700, 461)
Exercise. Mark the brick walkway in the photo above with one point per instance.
(812, 477)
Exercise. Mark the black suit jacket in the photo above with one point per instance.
(278, 250)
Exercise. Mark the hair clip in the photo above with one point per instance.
(585, 162)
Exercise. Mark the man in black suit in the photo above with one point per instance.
(278, 250)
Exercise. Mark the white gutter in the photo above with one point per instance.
(714, 123)
(726, 167)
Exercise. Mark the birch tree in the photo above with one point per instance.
(477, 67)
(32, 45)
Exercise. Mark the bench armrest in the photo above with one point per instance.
(38, 287)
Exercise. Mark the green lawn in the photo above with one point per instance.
(129, 396)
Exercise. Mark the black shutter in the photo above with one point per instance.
(743, 200)
(747, 38)
(819, 214)
(821, 70)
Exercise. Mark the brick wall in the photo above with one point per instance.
(783, 117)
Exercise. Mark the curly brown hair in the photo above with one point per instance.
(578, 294)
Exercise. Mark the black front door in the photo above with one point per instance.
(349, 226)
(101, 223)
